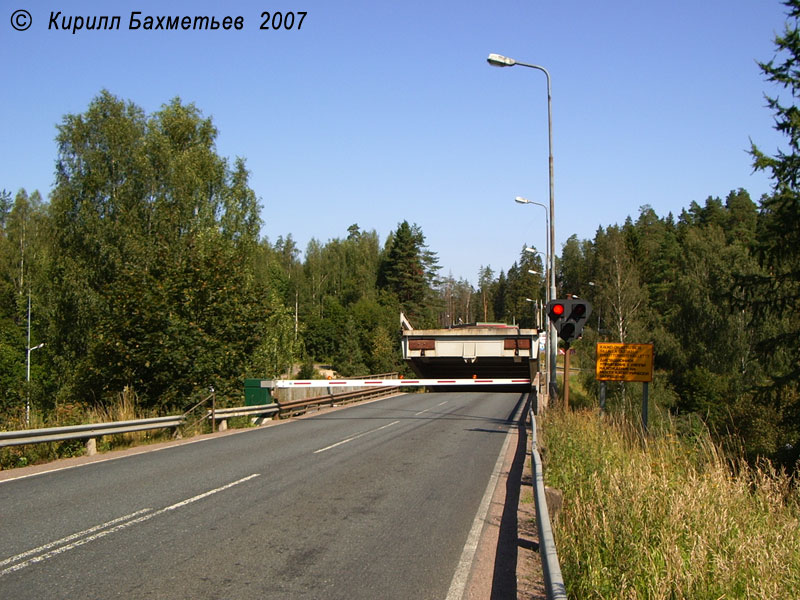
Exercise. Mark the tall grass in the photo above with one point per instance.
(666, 517)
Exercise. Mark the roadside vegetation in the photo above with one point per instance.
(667, 516)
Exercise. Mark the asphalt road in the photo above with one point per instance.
(370, 501)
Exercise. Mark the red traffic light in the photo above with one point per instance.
(568, 316)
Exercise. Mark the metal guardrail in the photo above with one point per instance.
(553, 581)
(89, 432)
(223, 414)
(92, 430)
(243, 411)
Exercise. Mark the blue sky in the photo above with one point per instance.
(379, 112)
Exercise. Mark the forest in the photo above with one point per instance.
(145, 271)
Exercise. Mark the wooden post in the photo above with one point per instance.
(566, 377)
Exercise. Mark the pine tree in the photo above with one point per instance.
(409, 269)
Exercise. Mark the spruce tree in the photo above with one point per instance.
(774, 293)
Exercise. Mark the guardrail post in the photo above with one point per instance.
(214, 410)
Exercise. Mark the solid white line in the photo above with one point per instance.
(209, 493)
(461, 576)
(431, 408)
(121, 526)
(355, 437)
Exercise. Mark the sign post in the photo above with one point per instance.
(626, 362)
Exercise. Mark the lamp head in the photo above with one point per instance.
(498, 60)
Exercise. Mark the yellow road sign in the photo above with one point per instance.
(624, 362)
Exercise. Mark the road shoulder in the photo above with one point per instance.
(507, 562)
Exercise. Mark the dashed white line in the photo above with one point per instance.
(355, 437)
(431, 408)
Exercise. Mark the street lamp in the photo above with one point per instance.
(537, 307)
(521, 200)
(28, 382)
(28, 368)
(497, 60)
(539, 316)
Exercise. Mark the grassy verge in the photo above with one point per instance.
(666, 517)
(122, 408)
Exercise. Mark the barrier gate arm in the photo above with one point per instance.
(329, 383)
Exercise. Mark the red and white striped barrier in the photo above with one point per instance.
(355, 383)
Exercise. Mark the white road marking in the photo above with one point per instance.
(431, 408)
(69, 538)
(355, 437)
(103, 530)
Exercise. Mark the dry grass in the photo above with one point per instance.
(123, 408)
(663, 517)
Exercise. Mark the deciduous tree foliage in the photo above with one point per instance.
(147, 271)
(153, 237)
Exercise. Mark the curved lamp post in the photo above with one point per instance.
(497, 60)
(28, 368)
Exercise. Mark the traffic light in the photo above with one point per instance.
(569, 316)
